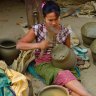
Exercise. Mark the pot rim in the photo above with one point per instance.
(7, 47)
(53, 86)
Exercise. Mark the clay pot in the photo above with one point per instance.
(88, 33)
(54, 90)
(93, 50)
(8, 51)
(63, 57)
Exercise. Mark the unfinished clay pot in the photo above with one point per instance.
(88, 32)
(8, 51)
(63, 57)
(93, 50)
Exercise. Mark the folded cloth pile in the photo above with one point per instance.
(82, 57)
(12, 83)
(81, 52)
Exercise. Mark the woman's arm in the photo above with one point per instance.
(25, 43)
(67, 42)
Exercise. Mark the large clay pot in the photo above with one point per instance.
(63, 57)
(88, 32)
(93, 50)
(54, 90)
(8, 51)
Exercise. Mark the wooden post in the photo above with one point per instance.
(29, 8)
(40, 11)
(32, 5)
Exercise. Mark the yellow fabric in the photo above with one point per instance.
(19, 81)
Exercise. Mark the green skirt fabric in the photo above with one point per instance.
(48, 72)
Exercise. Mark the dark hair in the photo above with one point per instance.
(49, 7)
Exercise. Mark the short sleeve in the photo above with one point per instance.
(69, 28)
(35, 28)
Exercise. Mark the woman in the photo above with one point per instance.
(44, 68)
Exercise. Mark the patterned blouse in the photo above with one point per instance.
(41, 33)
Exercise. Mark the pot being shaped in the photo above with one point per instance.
(88, 32)
(8, 51)
(93, 50)
(63, 57)
(54, 90)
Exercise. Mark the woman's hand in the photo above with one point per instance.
(44, 44)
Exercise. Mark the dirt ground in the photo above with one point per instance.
(12, 13)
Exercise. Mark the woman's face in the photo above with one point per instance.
(52, 20)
